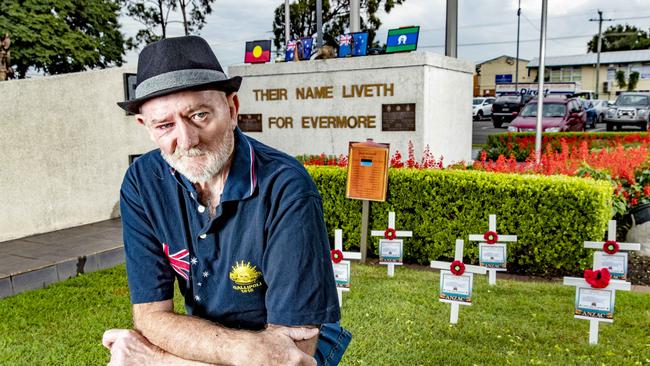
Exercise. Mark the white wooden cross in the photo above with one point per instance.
(338, 245)
(458, 256)
(398, 234)
(604, 257)
(502, 239)
(581, 283)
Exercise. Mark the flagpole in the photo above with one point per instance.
(319, 23)
(354, 15)
(287, 31)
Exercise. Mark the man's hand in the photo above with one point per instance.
(128, 347)
(277, 346)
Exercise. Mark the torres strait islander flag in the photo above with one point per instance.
(258, 52)
(402, 39)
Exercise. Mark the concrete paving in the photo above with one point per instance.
(40, 260)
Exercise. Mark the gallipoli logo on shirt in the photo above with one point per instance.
(246, 277)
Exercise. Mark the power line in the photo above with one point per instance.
(507, 42)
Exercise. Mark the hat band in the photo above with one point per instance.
(179, 78)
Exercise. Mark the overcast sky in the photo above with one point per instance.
(486, 28)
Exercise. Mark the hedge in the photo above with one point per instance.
(522, 144)
(551, 215)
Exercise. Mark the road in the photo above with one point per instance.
(483, 129)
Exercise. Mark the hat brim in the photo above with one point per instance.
(228, 86)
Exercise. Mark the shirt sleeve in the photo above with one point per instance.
(149, 275)
(297, 266)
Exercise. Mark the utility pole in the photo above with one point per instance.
(600, 21)
(517, 59)
(540, 89)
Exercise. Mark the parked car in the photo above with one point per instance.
(558, 115)
(506, 107)
(601, 108)
(482, 107)
(591, 112)
(629, 109)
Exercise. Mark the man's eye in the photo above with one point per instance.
(199, 116)
(164, 126)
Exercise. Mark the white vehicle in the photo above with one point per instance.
(482, 107)
(601, 108)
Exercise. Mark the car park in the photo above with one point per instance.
(558, 115)
(630, 109)
(482, 107)
(506, 108)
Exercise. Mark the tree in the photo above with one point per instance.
(154, 14)
(336, 18)
(151, 14)
(631, 82)
(61, 36)
(620, 38)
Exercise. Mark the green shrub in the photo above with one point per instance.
(551, 215)
(522, 144)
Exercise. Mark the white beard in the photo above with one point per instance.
(215, 159)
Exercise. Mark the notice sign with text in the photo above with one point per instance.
(367, 171)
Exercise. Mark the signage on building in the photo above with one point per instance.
(532, 88)
(503, 78)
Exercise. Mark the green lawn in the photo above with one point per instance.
(395, 321)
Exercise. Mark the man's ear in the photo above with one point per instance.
(233, 105)
(139, 118)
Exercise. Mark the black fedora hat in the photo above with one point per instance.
(174, 64)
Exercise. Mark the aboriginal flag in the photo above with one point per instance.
(258, 52)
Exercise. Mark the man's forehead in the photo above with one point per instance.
(182, 101)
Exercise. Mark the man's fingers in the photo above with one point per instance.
(111, 335)
(299, 334)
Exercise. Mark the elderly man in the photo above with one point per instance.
(236, 223)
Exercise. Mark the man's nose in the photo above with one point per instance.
(188, 136)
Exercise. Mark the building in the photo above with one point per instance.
(498, 70)
(581, 70)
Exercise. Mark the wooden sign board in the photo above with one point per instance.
(250, 122)
(367, 171)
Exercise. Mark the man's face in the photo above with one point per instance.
(194, 130)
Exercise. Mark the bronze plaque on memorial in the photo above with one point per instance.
(367, 171)
(398, 117)
(250, 122)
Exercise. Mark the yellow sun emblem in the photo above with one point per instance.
(244, 274)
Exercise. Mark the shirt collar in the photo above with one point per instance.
(242, 178)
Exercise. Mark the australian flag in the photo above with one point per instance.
(360, 43)
(288, 54)
(307, 44)
(345, 42)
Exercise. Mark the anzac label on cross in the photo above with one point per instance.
(391, 250)
(456, 281)
(493, 252)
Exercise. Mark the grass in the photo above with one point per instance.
(394, 321)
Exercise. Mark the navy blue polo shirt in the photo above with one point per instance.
(263, 258)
